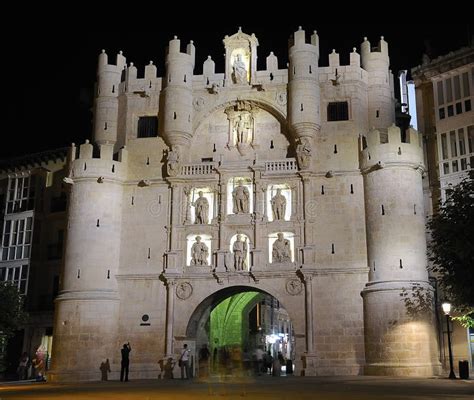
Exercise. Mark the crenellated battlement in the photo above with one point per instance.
(374, 57)
(378, 154)
(174, 52)
(104, 66)
(298, 42)
(83, 163)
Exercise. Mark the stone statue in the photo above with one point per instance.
(240, 196)
(281, 250)
(173, 162)
(199, 252)
(278, 206)
(242, 127)
(240, 72)
(240, 254)
(303, 153)
(201, 209)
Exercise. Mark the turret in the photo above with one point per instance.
(398, 342)
(380, 88)
(177, 115)
(88, 303)
(106, 102)
(303, 85)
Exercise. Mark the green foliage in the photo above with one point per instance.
(12, 314)
(418, 302)
(466, 320)
(452, 246)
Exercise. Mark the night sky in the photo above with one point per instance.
(49, 92)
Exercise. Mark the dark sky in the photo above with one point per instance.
(49, 91)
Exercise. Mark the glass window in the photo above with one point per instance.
(452, 143)
(462, 145)
(467, 105)
(338, 111)
(457, 87)
(470, 138)
(17, 236)
(441, 113)
(465, 85)
(147, 127)
(450, 111)
(455, 166)
(463, 164)
(445, 168)
(444, 146)
(21, 193)
(449, 91)
(440, 93)
(18, 275)
(458, 108)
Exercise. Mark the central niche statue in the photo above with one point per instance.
(240, 254)
(240, 197)
(281, 250)
(278, 206)
(201, 209)
(240, 72)
(199, 252)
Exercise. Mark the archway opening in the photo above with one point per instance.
(242, 331)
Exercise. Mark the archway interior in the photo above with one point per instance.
(235, 322)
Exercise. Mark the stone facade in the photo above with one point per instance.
(324, 136)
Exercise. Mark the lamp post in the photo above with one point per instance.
(447, 309)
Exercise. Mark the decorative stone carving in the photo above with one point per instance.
(239, 249)
(201, 209)
(174, 161)
(294, 286)
(198, 103)
(240, 198)
(241, 118)
(303, 153)
(199, 252)
(278, 206)
(281, 252)
(281, 98)
(239, 75)
(184, 290)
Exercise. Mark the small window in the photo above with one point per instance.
(338, 111)
(450, 111)
(441, 113)
(147, 127)
(467, 105)
(458, 108)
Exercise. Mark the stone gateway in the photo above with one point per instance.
(342, 245)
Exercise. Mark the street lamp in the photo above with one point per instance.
(447, 309)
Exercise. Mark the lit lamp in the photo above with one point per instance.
(447, 309)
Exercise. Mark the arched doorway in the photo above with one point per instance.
(230, 325)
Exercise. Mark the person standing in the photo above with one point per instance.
(23, 365)
(184, 362)
(125, 363)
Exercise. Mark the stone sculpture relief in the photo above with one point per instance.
(240, 72)
(294, 286)
(201, 209)
(199, 252)
(281, 252)
(174, 161)
(184, 290)
(278, 206)
(303, 153)
(239, 249)
(240, 198)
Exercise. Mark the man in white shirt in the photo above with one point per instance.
(184, 362)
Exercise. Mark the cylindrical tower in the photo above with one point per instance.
(380, 89)
(87, 307)
(303, 86)
(106, 101)
(399, 334)
(177, 115)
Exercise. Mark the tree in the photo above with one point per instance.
(12, 315)
(452, 248)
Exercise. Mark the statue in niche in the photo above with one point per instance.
(278, 206)
(281, 250)
(240, 196)
(173, 161)
(199, 252)
(303, 153)
(240, 253)
(240, 72)
(201, 209)
(242, 127)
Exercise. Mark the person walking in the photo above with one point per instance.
(125, 363)
(184, 362)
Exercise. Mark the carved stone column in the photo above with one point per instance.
(309, 313)
(170, 289)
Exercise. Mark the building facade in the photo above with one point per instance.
(445, 96)
(33, 219)
(293, 183)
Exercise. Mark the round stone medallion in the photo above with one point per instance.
(184, 290)
(294, 286)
